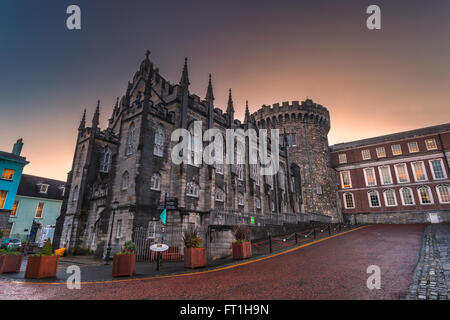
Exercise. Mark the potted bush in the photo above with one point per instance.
(124, 263)
(241, 247)
(10, 261)
(194, 252)
(43, 264)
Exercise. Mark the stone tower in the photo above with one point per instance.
(304, 129)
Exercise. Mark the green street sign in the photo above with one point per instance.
(163, 216)
(252, 220)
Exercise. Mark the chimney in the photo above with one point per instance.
(17, 149)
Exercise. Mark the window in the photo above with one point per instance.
(75, 194)
(43, 188)
(14, 208)
(419, 171)
(293, 140)
(130, 140)
(151, 230)
(319, 189)
(396, 150)
(219, 168)
(431, 144)
(342, 158)
(365, 154)
(269, 181)
(374, 199)
(381, 152)
(281, 178)
(413, 147)
(407, 196)
(385, 175)
(240, 171)
(258, 203)
(240, 199)
(195, 145)
(349, 202)
(106, 160)
(425, 195)
(125, 180)
(8, 174)
(444, 193)
(155, 182)
(119, 229)
(39, 210)
(345, 179)
(272, 205)
(159, 141)
(401, 172)
(437, 169)
(192, 189)
(80, 160)
(389, 198)
(369, 175)
(220, 195)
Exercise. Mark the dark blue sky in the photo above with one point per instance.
(373, 82)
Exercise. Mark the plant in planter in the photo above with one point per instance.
(10, 261)
(43, 264)
(241, 247)
(194, 252)
(124, 263)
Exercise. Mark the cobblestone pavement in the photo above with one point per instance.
(335, 268)
(431, 280)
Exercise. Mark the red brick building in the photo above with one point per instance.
(398, 178)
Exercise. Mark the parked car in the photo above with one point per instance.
(4, 243)
(14, 244)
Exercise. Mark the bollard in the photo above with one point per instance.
(339, 227)
(296, 238)
(329, 230)
(314, 233)
(270, 243)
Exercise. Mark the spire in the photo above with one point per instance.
(230, 108)
(247, 113)
(145, 64)
(209, 92)
(83, 121)
(184, 82)
(96, 117)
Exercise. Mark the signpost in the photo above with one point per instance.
(163, 218)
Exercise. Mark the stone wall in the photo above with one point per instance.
(397, 217)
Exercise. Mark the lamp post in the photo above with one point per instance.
(114, 207)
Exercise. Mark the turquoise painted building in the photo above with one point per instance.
(37, 205)
(11, 167)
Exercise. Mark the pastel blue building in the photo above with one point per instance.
(36, 207)
(11, 167)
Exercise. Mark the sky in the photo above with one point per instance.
(373, 82)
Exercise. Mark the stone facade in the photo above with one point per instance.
(130, 163)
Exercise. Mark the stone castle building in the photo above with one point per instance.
(129, 163)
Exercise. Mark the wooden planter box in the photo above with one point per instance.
(242, 250)
(10, 263)
(124, 265)
(41, 267)
(194, 257)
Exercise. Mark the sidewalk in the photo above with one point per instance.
(431, 280)
(93, 269)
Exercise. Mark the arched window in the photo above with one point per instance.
(258, 203)
(130, 140)
(269, 181)
(192, 189)
(159, 141)
(125, 180)
(407, 196)
(106, 160)
(75, 194)
(389, 198)
(240, 199)
(220, 195)
(374, 199)
(425, 196)
(195, 146)
(349, 202)
(444, 193)
(80, 160)
(155, 181)
(281, 178)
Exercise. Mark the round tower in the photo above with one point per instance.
(305, 130)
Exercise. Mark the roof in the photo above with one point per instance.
(30, 186)
(392, 137)
(12, 156)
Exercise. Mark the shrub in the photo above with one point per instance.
(12, 251)
(129, 247)
(191, 239)
(2, 251)
(241, 233)
(47, 249)
(1, 234)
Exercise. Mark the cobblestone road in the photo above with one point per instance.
(331, 269)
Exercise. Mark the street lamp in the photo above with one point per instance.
(114, 207)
